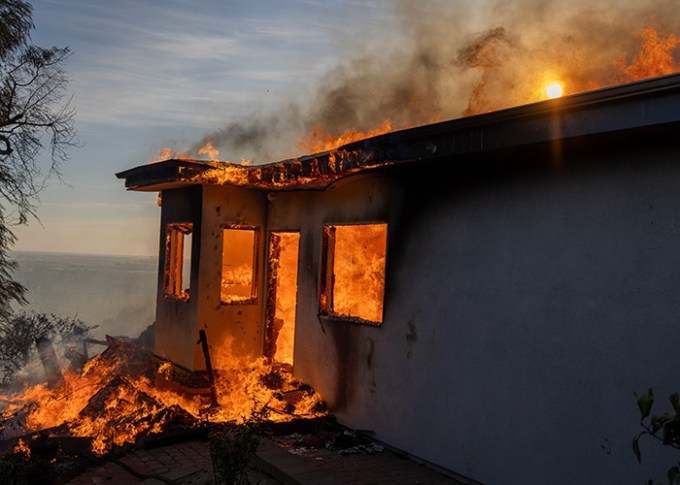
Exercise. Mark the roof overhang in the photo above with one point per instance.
(640, 105)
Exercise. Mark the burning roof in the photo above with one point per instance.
(643, 104)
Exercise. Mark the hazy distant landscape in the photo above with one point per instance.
(117, 293)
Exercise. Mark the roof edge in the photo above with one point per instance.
(628, 106)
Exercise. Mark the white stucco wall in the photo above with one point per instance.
(175, 318)
(522, 310)
(231, 329)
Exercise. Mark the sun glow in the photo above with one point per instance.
(554, 90)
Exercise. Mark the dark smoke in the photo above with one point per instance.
(259, 139)
(456, 58)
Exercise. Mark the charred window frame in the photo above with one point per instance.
(353, 272)
(282, 287)
(238, 269)
(177, 259)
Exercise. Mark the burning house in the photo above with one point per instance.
(483, 293)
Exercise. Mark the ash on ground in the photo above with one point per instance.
(342, 442)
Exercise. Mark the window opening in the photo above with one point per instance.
(353, 273)
(238, 264)
(178, 244)
(282, 296)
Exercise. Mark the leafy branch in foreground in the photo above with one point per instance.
(232, 448)
(662, 427)
(35, 110)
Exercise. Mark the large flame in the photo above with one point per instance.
(210, 150)
(112, 404)
(655, 57)
(320, 140)
(359, 271)
(167, 153)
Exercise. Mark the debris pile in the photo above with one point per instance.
(113, 402)
(330, 438)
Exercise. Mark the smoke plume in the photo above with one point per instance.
(459, 58)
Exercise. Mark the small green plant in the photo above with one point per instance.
(662, 427)
(232, 448)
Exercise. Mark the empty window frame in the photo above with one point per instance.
(177, 260)
(239, 263)
(353, 271)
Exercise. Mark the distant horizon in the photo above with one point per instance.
(80, 253)
(117, 293)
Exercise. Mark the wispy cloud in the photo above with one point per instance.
(184, 63)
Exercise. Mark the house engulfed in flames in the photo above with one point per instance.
(483, 293)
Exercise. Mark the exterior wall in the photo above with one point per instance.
(176, 319)
(328, 353)
(231, 329)
(523, 307)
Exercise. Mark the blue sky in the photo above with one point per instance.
(148, 74)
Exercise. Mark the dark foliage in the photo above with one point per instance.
(33, 112)
(18, 335)
(232, 448)
(661, 427)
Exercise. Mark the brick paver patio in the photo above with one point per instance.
(189, 463)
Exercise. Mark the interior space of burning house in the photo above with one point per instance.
(483, 293)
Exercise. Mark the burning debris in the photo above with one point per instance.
(113, 403)
(328, 436)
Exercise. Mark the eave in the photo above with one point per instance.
(640, 105)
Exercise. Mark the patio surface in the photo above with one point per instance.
(188, 463)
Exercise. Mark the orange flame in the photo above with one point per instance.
(22, 447)
(655, 57)
(359, 262)
(210, 150)
(168, 153)
(497, 85)
(321, 140)
(113, 406)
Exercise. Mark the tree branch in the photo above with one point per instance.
(12, 120)
(7, 150)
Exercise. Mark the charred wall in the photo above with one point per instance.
(329, 352)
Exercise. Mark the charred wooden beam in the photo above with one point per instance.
(271, 332)
(208, 367)
(50, 363)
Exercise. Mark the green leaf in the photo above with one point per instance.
(636, 445)
(675, 401)
(669, 435)
(674, 475)
(659, 422)
(645, 403)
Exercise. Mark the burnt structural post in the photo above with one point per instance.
(208, 367)
(50, 363)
